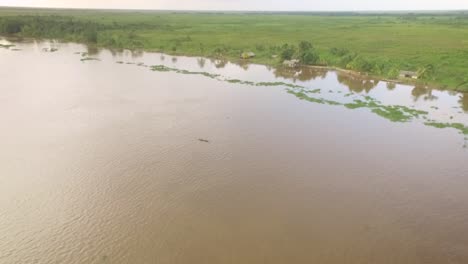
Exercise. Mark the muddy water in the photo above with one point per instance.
(102, 163)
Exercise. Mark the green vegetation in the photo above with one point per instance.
(393, 113)
(162, 68)
(433, 45)
(90, 59)
(460, 127)
(301, 94)
(278, 84)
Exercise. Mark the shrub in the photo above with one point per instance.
(307, 53)
(287, 52)
(361, 64)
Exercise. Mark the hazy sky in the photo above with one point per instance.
(298, 5)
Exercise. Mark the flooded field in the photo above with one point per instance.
(133, 157)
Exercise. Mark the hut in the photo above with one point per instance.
(408, 74)
(247, 55)
(291, 63)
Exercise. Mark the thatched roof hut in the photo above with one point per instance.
(409, 74)
(291, 63)
(247, 55)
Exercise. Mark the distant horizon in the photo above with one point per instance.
(248, 5)
(241, 10)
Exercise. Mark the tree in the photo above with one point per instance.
(305, 46)
(287, 52)
(91, 36)
(307, 53)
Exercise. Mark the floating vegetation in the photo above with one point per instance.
(314, 91)
(119, 62)
(279, 84)
(162, 68)
(303, 96)
(240, 82)
(203, 140)
(6, 46)
(458, 126)
(90, 59)
(393, 113)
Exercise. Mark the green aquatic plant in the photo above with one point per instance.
(240, 82)
(301, 94)
(314, 91)
(89, 59)
(162, 68)
(394, 113)
(279, 84)
(458, 126)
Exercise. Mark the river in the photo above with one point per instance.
(104, 160)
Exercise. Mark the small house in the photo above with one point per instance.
(247, 55)
(408, 74)
(291, 63)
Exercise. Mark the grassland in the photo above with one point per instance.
(435, 45)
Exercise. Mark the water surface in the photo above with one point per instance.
(102, 162)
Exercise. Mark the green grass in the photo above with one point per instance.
(379, 44)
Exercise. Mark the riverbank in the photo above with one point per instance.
(376, 44)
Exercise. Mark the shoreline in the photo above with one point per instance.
(252, 61)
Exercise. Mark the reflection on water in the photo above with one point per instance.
(201, 62)
(302, 74)
(423, 92)
(102, 163)
(92, 50)
(356, 83)
(443, 106)
(464, 101)
(219, 63)
(391, 86)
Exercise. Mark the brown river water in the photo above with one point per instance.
(105, 162)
